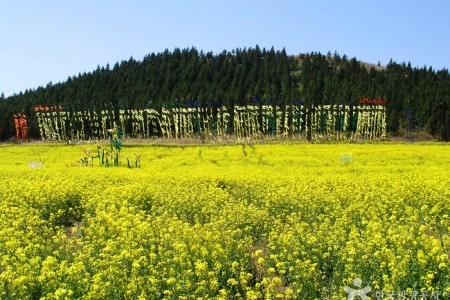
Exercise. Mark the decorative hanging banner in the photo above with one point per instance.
(317, 122)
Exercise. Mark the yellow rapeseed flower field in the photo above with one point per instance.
(262, 221)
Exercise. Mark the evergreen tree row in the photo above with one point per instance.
(418, 98)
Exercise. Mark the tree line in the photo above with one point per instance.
(418, 99)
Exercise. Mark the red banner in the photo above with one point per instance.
(367, 101)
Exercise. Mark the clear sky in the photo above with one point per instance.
(43, 40)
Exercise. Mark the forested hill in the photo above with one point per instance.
(417, 98)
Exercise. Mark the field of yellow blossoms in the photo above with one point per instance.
(262, 221)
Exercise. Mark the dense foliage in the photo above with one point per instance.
(417, 98)
(228, 222)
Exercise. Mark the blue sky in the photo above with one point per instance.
(43, 41)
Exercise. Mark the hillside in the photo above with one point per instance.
(418, 98)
